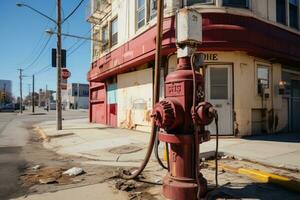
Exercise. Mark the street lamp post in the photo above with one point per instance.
(58, 63)
(58, 57)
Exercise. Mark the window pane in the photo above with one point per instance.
(191, 2)
(236, 3)
(218, 83)
(105, 39)
(141, 15)
(140, 4)
(153, 8)
(262, 73)
(262, 78)
(294, 17)
(281, 11)
(141, 24)
(114, 32)
(114, 26)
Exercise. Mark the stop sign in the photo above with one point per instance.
(65, 73)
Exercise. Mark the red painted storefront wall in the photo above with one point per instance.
(221, 32)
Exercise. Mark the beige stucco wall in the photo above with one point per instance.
(134, 94)
(244, 89)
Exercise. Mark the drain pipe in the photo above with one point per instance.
(160, 16)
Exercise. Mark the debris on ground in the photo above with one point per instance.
(125, 185)
(49, 180)
(74, 171)
(135, 195)
(36, 167)
(50, 175)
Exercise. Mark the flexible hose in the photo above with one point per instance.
(217, 147)
(156, 153)
(160, 16)
(196, 141)
(147, 157)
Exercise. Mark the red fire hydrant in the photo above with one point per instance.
(182, 127)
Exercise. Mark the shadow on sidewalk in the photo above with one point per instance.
(278, 137)
(260, 191)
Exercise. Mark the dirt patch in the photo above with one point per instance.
(46, 175)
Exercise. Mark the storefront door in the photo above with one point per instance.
(219, 93)
(295, 105)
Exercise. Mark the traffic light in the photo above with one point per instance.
(63, 58)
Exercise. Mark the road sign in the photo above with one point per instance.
(65, 73)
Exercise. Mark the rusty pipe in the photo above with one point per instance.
(160, 16)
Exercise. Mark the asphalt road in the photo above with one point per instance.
(14, 135)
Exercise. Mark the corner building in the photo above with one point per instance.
(252, 62)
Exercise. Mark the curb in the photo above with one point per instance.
(271, 178)
(263, 177)
(41, 132)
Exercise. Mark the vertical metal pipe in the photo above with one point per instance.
(33, 99)
(160, 16)
(58, 63)
(21, 97)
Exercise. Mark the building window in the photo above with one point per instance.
(281, 11)
(114, 31)
(293, 13)
(236, 3)
(263, 78)
(104, 37)
(153, 9)
(140, 13)
(287, 12)
(191, 2)
(219, 83)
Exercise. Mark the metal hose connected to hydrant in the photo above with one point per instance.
(160, 15)
(214, 113)
(196, 141)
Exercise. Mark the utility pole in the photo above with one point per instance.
(29, 94)
(58, 63)
(33, 100)
(46, 98)
(21, 98)
(77, 96)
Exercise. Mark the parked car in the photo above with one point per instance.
(52, 106)
(8, 108)
(17, 106)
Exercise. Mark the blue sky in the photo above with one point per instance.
(22, 38)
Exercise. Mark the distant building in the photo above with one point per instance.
(45, 97)
(5, 91)
(76, 96)
(6, 86)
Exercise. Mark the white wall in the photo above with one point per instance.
(134, 94)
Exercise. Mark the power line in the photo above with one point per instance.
(42, 69)
(80, 39)
(39, 55)
(48, 67)
(82, 43)
(73, 11)
(37, 44)
(33, 50)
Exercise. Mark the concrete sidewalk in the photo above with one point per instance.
(122, 147)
